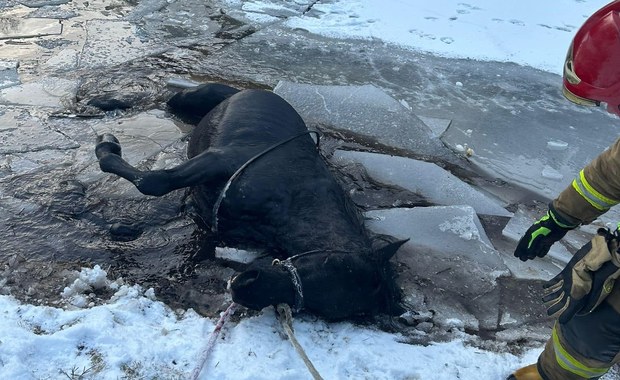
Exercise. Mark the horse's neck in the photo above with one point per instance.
(331, 230)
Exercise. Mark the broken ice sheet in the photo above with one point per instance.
(47, 92)
(111, 42)
(42, 3)
(557, 145)
(551, 173)
(142, 136)
(20, 133)
(64, 60)
(365, 110)
(237, 255)
(424, 178)
(450, 230)
(34, 161)
(28, 27)
(449, 248)
(182, 83)
(437, 126)
(52, 12)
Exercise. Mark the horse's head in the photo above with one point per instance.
(332, 284)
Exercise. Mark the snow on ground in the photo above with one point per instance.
(132, 335)
(476, 29)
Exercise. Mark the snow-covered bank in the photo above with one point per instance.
(131, 335)
(480, 29)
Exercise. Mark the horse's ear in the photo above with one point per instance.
(386, 252)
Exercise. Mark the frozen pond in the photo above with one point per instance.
(415, 138)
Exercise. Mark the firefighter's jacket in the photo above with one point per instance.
(594, 191)
(587, 346)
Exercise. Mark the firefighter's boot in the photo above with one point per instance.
(526, 373)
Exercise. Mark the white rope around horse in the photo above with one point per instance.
(286, 319)
(212, 339)
(220, 198)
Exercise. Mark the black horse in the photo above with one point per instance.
(258, 180)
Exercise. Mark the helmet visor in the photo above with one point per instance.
(578, 99)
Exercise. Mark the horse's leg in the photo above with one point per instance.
(197, 170)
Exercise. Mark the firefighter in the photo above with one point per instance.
(585, 341)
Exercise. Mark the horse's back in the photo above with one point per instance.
(252, 119)
(239, 128)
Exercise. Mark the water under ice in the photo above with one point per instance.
(8, 73)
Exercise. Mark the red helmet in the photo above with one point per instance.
(592, 67)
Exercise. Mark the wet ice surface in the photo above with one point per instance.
(47, 92)
(60, 212)
(365, 110)
(30, 27)
(21, 133)
(425, 178)
(491, 116)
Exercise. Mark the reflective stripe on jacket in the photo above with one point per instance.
(589, 193)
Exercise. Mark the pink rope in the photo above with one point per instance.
(212, 339)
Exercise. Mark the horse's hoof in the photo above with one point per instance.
(107, 144)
